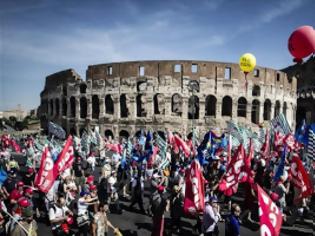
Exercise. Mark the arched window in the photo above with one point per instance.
(83, 107)
(284, 109)
(241, 107)
(267, 110)
(51, 107)
(193, 107)
(72, 106)
(255, 111)
(109, 105)
(109, 133)
(277, 108)
(227, 106)
(158, 104)
(95, 107)
(123, 106)
(64, 107)
(177, 104)
(124, 133)
(256, 91)
(83, 88)
(211, 103)
(57, 107)
(140, 106)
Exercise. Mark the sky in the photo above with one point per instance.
(42, 37)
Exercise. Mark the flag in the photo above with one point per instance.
(182, 145)
(45, 177)
(65, 158)
(269, 214)
(311, 145)
(85, 143)
(280, 123)
(15, 146)
(114, 147)
(194, 192)
(300, 178)
(280, 169)
(3, 176)
(56, 130)
(265, 149)
(235, 173)
(162, 144)
(301, 134)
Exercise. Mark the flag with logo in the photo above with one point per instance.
(194, 192)
(66, 157)
(270, 215)
(280, 124)
(56, 130)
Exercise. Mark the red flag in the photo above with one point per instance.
(45, 177)
(16, 147)
(195, 192)
(115, 147)
(300, 178)
(246, 174)
(269, 214)
(182, 144)
(278, 140)
(235, 173)
(265, 149)
(65, 158)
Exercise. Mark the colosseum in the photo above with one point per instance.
(125, 97)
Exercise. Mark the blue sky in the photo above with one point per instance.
(41, 37)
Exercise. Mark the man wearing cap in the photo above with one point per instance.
(26, 226)
(211, 216)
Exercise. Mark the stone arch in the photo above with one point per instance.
(277, 108)
(57, 106)
(109, 104)
(51, 104)
(256, 91)
(255, 111)
(193, 107)
(109, 133)
(95, 107)
(141, 106)
(227, 104)
(83, 107)
(72, 107)
(123, 106)
(267, 109)
(124, 133)
(177, 103)
(211, 103)
(284, 109)
(159, 104)
(83, 88)
(64, 107)
(241, 107)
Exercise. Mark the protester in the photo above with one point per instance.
(211, 217)
(232, 223)
(26, 226)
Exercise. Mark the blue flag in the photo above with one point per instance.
(280, 169)
(301, 134)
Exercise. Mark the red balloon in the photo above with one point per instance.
(302, 42)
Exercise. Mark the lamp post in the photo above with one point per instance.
(192, 87)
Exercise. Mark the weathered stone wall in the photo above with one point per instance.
(158, 95)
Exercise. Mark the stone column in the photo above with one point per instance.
(234, 109)
(89, 108)
(49, 109)
(102, 107)
(184, 108)
(218, 110)
(149, 106)
(249, 112)
(68, 108)
(116, 106)
(202, 108)
(77, 108)
(261, 112)
(132, 107)
(168, 106)
(272, 113)
(60, 107)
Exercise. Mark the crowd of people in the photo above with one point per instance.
(82, 196)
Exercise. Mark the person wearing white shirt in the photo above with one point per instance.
(211, 217)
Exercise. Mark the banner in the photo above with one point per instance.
(269, 215)
(56, 130)
(300, 178)
(235, 173)
(182, 145)
(45, 177)
(195, 192)
(65, 158)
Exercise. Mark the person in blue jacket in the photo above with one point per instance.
(232, 223)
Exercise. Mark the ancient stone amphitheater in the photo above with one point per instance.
(122, 98)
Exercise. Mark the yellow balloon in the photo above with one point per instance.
(247, 62)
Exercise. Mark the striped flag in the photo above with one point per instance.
(280, 123)
(161, 143)
(311, 145)
(56, 130)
